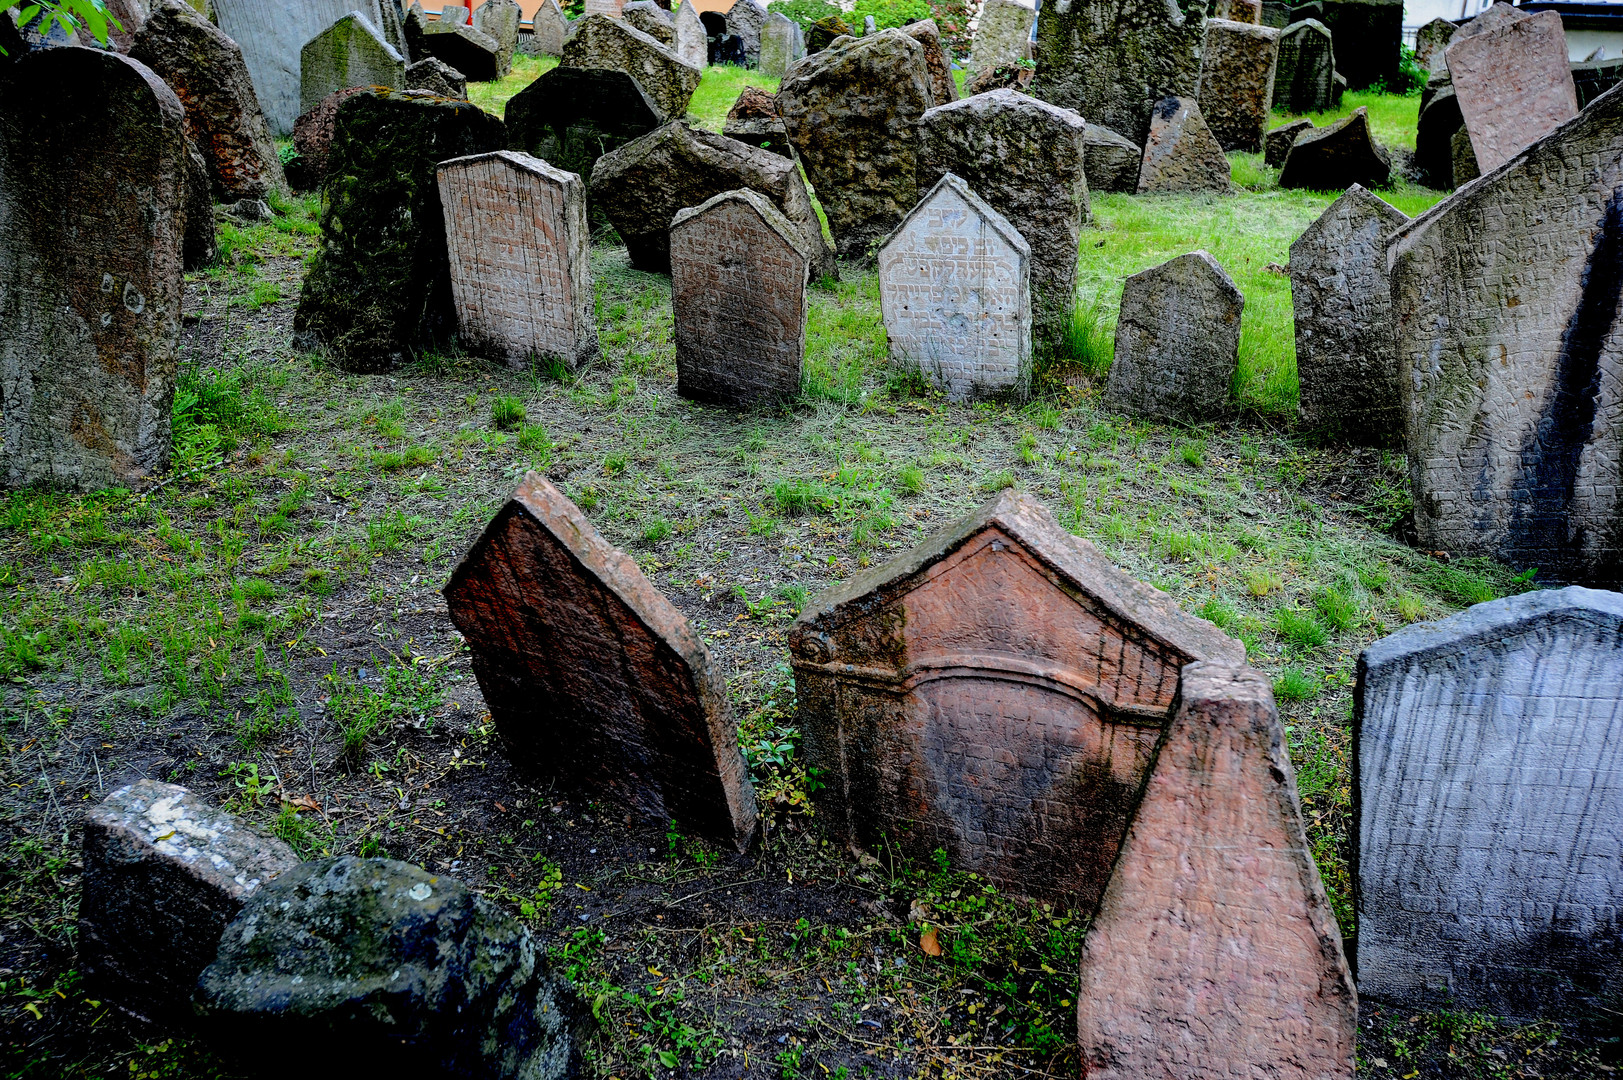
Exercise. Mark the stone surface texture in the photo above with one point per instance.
(746, 19)
(1242, 11)
(594, 679)
(754, 119)
(1111, 161)
(200, 246)
(1368, 36)
(499, 20)
(380, 285)
(1336, 156)
(1236, 88)
(569, 117)
(1215, 952)
(852, 112)
(825, 30)
(550, 27)
(312, 138)
(928, 34)
(691, 43)
(473, 52)
(90, 288)
(271, 36)
(1276, 145)
(1182, 154)
(1487, 803)
(1514, 85)
(1177, 341)
(601, 42)
(164, 874)
(610, 8)
(1305, 79)
(348, 53)
(1440, 119)
(779, 38)
(652, 20)
(1003, 34)
(1463, 167)
(997, 692)
(1506, 300)
(437, 77)
(1430, 41)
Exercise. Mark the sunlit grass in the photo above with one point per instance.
(718, 90)
(493, 96)
(1392, 119)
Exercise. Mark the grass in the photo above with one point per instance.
(493, 96)
(718, 90)
(1392, 119)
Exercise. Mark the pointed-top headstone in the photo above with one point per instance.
(1182, 154)
(348, 53)
(1305, 77)
(499, 19)
(1177, 341)
(746, 19)
(272, 37)
(691, 44)
(550, 27)
(1430, 41)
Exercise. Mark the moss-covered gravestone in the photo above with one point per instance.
(350, 52)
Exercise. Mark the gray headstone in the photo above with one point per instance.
(778, 39)
(601, 42)
(454, 15)
(348, 53)
(272, 37)
(393, 25)
(1236, 88)
(1112, 161)
(551, 27)
(867, 25)
(1182, 154)
(1430, 41)
(691, 43)
(1514, 85)
(652, 20)
(499, 19)
(1003, 33)
(1276, 145)
(1336, 156)
(1488, 802)
(437, 77)
(747, 18)
(1434, 135)
(473, 52)
(1306, 76)
(1177, 341)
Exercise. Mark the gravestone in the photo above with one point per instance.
(380, 286)
(825, 30)
(90, 288)
(164, 874)
(1026, 159)
(393, 26)
(272, 38)
(1514, 85)
(1369, 39)
(1241, 11)
(778, 39)
(1003, 35)
(691, 43)
(926, 33)
(1177, 342)
(1111, 161)
(348, 53)
(437, 77)
(1346, 361)
(200, 247)
(499, 19)
(1495, 17)
(470, 51)
(611, 8)
(550, 27)
(1462, 158)
(1434, 138)
(746, 19)
(754, 119)
(312, 138)
(1503, 298)
(601, 42)
(1276, 145)
(1487, 803)
(569, 117)
(851, 112)
(205, 70)
(519, 246)
(1236, 87)
(955, 293)
(1430, 41)
(1182, 154)
(454, 15)
(1215, 951)
(1336, 156)
(651, 19)
(594, 679)
(1305, 80)
(868, 26)
(738, 298)
(1593, 78)
(1112, 60)
(996, 692)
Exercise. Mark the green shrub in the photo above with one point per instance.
(1294, 684)
(889, 13)
(1301, 629)
(805, 12)
(507, 411)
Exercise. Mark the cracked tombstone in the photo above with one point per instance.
(1236, 87)
(602, 42)
(1177, 342)
(1514, 85)
(1181, 153)
(1337, 156)
(272, 38)
(594, 679)
(754, 119)
(569, 117)
(1276, 145)
(348, 53)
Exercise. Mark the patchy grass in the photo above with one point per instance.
(718, 90)
(493, 96)
(1392, 118)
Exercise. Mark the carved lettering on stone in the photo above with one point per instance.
(1305, 77)
(1514, 85)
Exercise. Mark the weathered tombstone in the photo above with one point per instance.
(825, 30)
(200, 246)
(926, 33)
(868, 27)
(455, 15)
(205, 70)
(1177, 341)
(746, 19)
(691, 44)
(595, 680)
(393, 26)
(312, 138)
(1003, 35)
(1336, 157)
(851, 112)
(754, 119)
(550, 27)
(1487, 802)
(1025, 157)
(1462, 158)
(1236, 87)
(738, 298)
(955, 293)
(778, 39)
(1495, 17)
(651, 19)
(1503, 298)
(272, 37)
(601, 42)
(1434, 137)
(1112, 61)
(1241, 11)
(164, 874)
(499, 20)
(1369, 40)
(1430, 41)
(90, 287)
(1276, 145)
(437, 77)
(1112, 161)
(996, 692)
(1214, 951)
(1346, 362)
(1181, 153)
(1593, 78)
(380, 286)
(611, 8)
(569, 117)
(1514, 85)
(470, 51)
(348, 53)
(1305, 80)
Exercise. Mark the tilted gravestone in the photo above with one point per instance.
(1112, 161)
(1369, 40)
(691, 43)
(1305, 78)
(754, 119)
(594, 679)
(996, 692)
(851, 112)
(936, 61)
(651, 19)
(473, 52)
(1276, 145)
(569, 117)
(499, 19)
(738, 297)
(1236, 88)
(1215, 951)
(1025, 157)
(955, 293)
(779, 37)
(550, 27)
(1514, 85)
(1181, 153)
(1346, 355)
(90, 287)
(746, 19)
(610, 8)
(380, 286)
(1439, 120)
(1336, 156)
(601, 42)
(1487, 803)
(1430, 41)
(348, 53)
(1177, 341)
(455, 15)
(271, 37)
(1503, 298)
(393, 26)
(437, 77)
(520, 258)
(1003, 34)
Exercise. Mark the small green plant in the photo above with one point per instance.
(1090, 340)
(1335, 610)
(615, 464)
(1260, 583)
(507, 411)
(1028, 448)
(1300, 629)
(1294, 684)
(794, 497)
(1218, 612)
(656, 530)
(910, 479)
(999, 480)
(1193, 452)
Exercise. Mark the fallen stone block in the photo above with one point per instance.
(437, 77)
(1337, 156)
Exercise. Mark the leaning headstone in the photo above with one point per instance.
(996, 692)
(1488, 799)
(1510, 451)
(1177, 342)
(1215, 951)
(1276, 145)
(377, 961)
(1236, 88)
(1514, 85)
(393, 25)
(472, 52)
(1369, 40)
(271, 37)
(1346, 363)
(550, 28)
(455, 15)
(1182, 154)
(92, 220)
(738, 297)
(1025, 157)
(1439, 120)
(1496, 16)
(955, 293)
(652, 20)
(379, 288)
(312, 138)
(569, 117)
(499, 20)
(164, 874)
(201, 245)
(1003, 34)
(601, 42)
(1430, 41)
(437, 77)
(520, 258)
(778, 39)
(205, 70)
(754, 119)
(926, 33)
(690, 36)
(594, 679)
(1305, 80)
(746, 19)
(851, 112)
(348, 53)
(1336, 157)
(1112, 162)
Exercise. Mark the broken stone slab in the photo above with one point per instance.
(1177, 342)
(1430, 41)
(272, 37)
(550, 28)
(1369, 40)
(1236, 87)
(1514, 85)
(380, 961)
(996, 692)
(692, 42)
(455, 15)
(594, 679)
(499, 20)
(348, 53)
(437, 77)
(1003, 33)
(1336, 156)
(942, 89)
(1215, 951)
(754, 119)
(1111, 161)
(1305, 78)
(1276, 145)
(312, 138)
(1182, 154)
(569, 117)
(470, 51)
(601, 42)
(652, 20)
(164, 874)
(1487, 801)
(779, 38)
(745, 20)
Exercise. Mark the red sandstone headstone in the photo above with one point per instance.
(594, 678)
(1214, 952)
(1514, 85)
